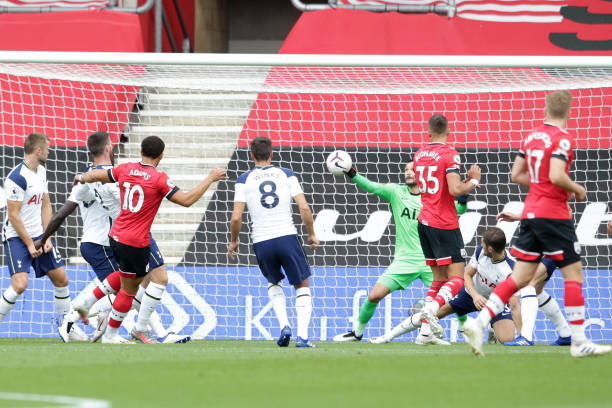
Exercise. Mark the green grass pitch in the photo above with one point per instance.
(259, 374)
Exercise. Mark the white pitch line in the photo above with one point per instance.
(69, 402)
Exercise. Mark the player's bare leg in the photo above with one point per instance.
(303, 307)
(473, 329)
(62, 300)
(19, 283)
(454, 273)
(574, 309)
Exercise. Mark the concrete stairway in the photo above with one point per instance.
(200, 131)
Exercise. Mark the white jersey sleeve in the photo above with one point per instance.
(28, 187)
(268, 193)
(99, 204)
(239, 193)
(294, 186)
(13, 191)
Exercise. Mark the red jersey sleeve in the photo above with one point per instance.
(453, 162)
(562, 148)
(165, 186)
(115, 173)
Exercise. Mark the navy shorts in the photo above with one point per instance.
(550, 268)
(285, 252)
(463, 304)
(155, 258)
(100, 257)
(18, 258)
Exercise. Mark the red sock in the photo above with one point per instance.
(121, 307)
(114, 281)
(449, 290)
(574, 302)
(503, 292)
(435, 288)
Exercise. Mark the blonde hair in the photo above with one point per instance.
(558, 104)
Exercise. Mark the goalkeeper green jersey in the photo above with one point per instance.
(405, 207)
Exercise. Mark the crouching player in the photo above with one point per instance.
(489, 266)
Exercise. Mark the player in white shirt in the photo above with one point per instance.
(489, 266)
(268, 191)
(99, 204)
(28, 211)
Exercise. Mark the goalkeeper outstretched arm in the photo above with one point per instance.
(385, 191)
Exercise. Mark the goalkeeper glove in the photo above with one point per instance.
(352, 172)
(462, 199)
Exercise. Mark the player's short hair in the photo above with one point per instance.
(34, 141)
(438, 124)
(558, 104)
(152, 147)
(261, 147)
(495, 238)
(96, 142)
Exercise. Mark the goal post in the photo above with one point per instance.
(208, 107)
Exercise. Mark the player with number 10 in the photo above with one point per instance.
(142, 189)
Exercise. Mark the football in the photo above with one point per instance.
(338, 162)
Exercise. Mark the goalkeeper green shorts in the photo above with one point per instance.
(400, 274)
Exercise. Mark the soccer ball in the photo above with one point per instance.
(339, 162)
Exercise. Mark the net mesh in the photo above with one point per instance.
(208, 114)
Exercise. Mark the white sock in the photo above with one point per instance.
(529, 311)
(432, 307)
(62, 300)
(149, 303)
(410, 324)
(303, 306)
(88, 299)
(425, 329)
(106, 288)
(103, 305)
(495, 304)
(576, 313)
(279, 303)
(9, 297)
(551, 309)
(156, 325)
(138, 298)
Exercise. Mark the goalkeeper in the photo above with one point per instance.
(408, 262)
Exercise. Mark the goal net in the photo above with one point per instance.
(208, 108)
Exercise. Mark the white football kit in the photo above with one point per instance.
(29, 187)
(268, 193)
(488, 273)
(100, 204)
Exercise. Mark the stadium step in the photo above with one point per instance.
(201, 131)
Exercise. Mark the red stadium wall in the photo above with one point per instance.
(479, 120)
